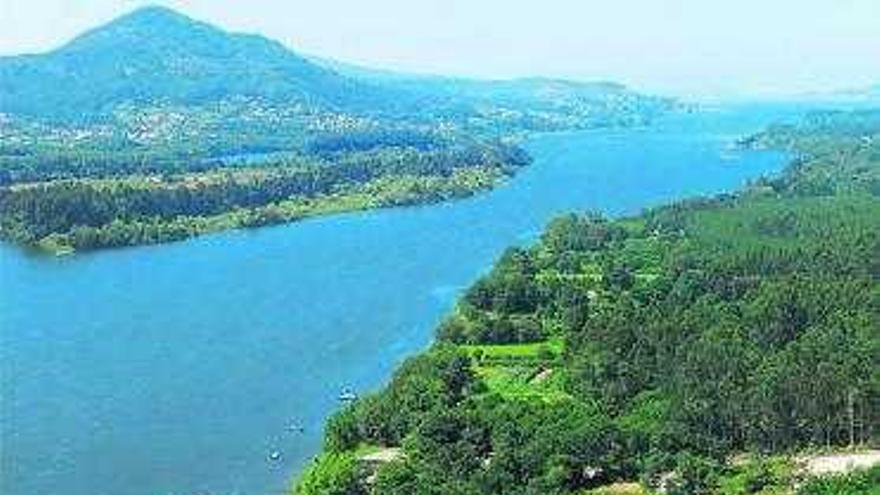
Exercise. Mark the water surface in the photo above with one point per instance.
(177, 369)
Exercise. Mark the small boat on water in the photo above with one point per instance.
(275, 455)
(347, 395)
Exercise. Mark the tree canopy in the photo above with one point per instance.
(662, 343)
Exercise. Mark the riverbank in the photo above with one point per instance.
(245, 321)
(689, 333)
(64, 216)
(380, 193)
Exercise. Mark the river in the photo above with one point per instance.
(177, 369)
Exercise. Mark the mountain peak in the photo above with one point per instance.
(156, 12)
(145, 23)
(154, 16)
(156, 55)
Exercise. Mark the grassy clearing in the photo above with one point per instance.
(521, 370)
(619, 489)
(520, 383)
(365, 449)
(530, 350)
(758, 475)
(859, 482)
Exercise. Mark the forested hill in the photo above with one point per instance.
(651, 349)
(156, 55)
(524, 103)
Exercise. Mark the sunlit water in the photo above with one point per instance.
(177, 369)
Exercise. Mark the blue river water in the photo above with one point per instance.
(177, 369)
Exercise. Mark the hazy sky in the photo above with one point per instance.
(702, 47)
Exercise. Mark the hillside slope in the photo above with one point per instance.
(157, 55)
(651, 348)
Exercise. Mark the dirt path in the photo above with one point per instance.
(839, 463)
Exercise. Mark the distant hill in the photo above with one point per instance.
(530, 92)
(866, 96)
(532, 86)
(157, 55)
(869, 94)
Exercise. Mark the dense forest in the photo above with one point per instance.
(651, 349)
(85, 213)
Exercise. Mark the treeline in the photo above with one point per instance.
(862, 482)
(745, 322)
(846, 140)
(111, 212)
(38, 155)
(116, 156)
(328, 145)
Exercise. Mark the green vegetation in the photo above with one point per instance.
(619, 489)
(82, 214)
(657, 348)
(520, 370)
(864, 482)
(161, 174)
(332, 474)
(758, 475)
(203, 130)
